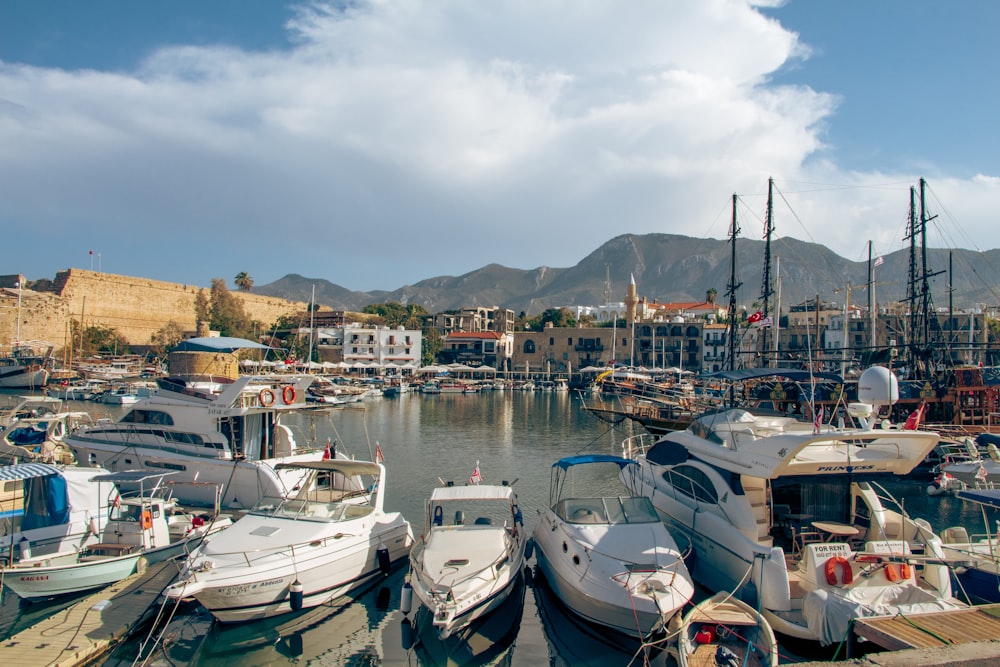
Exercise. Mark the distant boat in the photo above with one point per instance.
(26, 366)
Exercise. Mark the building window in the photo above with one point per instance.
(552, 341)
(529, 347)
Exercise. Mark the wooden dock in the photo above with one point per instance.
(93, 626)
(933, 629)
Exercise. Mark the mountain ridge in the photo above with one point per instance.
(675, 268)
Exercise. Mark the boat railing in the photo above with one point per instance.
(637, 445)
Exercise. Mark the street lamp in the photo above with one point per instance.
(17, 330)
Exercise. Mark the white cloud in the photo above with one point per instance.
(402, 139)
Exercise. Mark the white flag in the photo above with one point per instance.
(879, 260)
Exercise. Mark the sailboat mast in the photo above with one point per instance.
(731, 290)
(871, 299)
(766, 288)
(911, 290)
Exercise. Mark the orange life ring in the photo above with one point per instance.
(266, 397)
(893, 575)
(147, 519)
(831, 571)
(288, 394)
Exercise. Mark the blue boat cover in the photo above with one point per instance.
(570, 461)
(988, 497)
(46, 502)
(218, 344)
(27, 471)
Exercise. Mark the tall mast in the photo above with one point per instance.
(731, 290)
(766, 287)
(911, 288)
(871, 301)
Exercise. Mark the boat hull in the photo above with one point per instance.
(236, 593)
(593, 586)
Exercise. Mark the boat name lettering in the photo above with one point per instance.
(845, 468)
(35, 577)
(243, 589)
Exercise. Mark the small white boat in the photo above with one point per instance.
(42, 438)
(977, 556)
(461, 570)
(290, 554)
(60, 507)
(723, 630)
(608, 557)
(140, 531)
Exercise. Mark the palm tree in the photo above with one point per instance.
(710, 295)
(243, 281)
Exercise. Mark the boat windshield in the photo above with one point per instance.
(609, 510)
(309, 510)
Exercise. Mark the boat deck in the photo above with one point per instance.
(705, 655)
(943, 628)
(92, 626)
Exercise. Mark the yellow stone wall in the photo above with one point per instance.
(135, 307)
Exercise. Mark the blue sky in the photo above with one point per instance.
(376, 144)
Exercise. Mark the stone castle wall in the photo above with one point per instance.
(136, 307)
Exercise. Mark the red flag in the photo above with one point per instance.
(476, 477)
(327, 454)
(755, 317)
(378, 453)
(819, 419)
(91, 252)
(913, 421)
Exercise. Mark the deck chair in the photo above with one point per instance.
(800, 538)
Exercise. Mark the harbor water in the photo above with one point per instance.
(427, 440)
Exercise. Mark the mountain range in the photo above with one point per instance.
(671, 268)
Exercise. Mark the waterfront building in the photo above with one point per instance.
(478, 348)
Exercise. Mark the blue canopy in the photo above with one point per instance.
(988, 497)
(570, 461)
(27, 471)
(794, 374)
(218, 344)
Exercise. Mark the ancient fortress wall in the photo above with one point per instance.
(136, 307)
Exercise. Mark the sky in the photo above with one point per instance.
(378, 143)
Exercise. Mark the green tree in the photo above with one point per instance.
(243, 281)
(202, 307)
(393, 314)
(432, 344)
(228, 316)
(711, 294)
(166, 338)
(559, 317)
(98, 340)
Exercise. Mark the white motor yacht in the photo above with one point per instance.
(288, 554)
(225, 447)
(607, 556)
(791, 516)
(470, 554)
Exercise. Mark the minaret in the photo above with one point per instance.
(631, 300)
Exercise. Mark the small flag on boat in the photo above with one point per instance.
(476, 477)
(764, 322)
(819, 419)
(981, 474)
(913, 421)
(378, 453)
(879, 260)
(327, 452)
(755, 317)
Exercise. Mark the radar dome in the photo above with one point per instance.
(878, 386)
